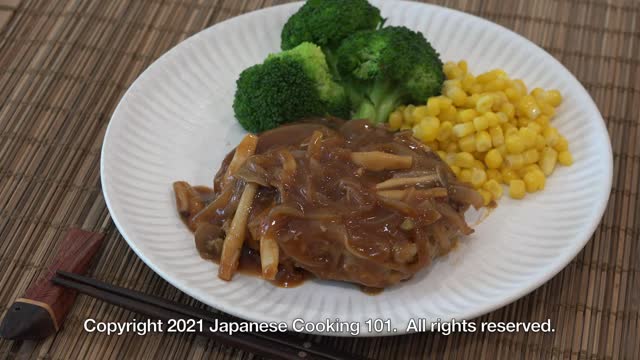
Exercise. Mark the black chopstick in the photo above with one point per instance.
(280, 346)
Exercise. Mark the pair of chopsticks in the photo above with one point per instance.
(276, 346)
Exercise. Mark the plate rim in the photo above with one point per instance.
(551, 270)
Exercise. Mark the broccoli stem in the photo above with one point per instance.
(332, 61)
(379, 102)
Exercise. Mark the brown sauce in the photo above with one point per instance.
(249, 263)
(326, 209)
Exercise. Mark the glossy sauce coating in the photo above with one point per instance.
(334, 210)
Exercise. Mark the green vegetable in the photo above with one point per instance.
(382, 69)
(288, 86)
(327, 22)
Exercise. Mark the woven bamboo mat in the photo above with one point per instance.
(64, 64)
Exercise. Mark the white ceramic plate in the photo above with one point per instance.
(176, 123)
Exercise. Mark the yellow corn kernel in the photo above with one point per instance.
(487, 77)
(535, 127)
(534, 181)
(478, 177)
(405, 126)
(466, 115)
(475, 88)
(519, 85)
(553, 97)
(457, 95)
(543, 121)
(395, 120)
(493, 159)
(447, 84)
(450, 158)
(501, 74)
(420, 112)
(431, 121)
(529, 168)
(514, 143)
(528, 107)
(486, 196)
(508, 129)
(432, 107)
(537, 93)
(502, 118)
(426, 130)
(497, 137)
(452, 147)
(540, 142)
(444, 101)
(508, 175)
(408, 114)
(464, 129)
(478, 164)
(465, 175)
(496, 85)
(517, 189)
(547, 109)
(433, 145)
(500, 98)
(468, 81)
(528, 137)
(468, 143)
(464, 160)
(448, 65)
(551, 136)
(532, 167)
(512, 94)
(445, 131)
(483, 141)
(562, 144)
(471, 101)
(448, 113)
(514, 161)
(452, 71)
(565, 158)
(521, 172)
(494, 174)
(462, 64)
(522, 122)
(531, 156)
(502, 149)
(456, 170)
(548, 160)
(481, 123)
(508, 109)
(494, 188)
(484, 104)
(492, 119)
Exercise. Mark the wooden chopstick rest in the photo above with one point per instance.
(41, 311)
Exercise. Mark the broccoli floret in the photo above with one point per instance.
(288, 86)
(382, 69)
(327, 22)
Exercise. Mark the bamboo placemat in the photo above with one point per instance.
(64, 64)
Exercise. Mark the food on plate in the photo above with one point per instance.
(288, 86)
(382, 69)
(491, 130)
(342, 200)
(337, 61)
(359, 200)
(327, 22)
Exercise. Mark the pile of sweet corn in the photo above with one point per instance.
(490, 130)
